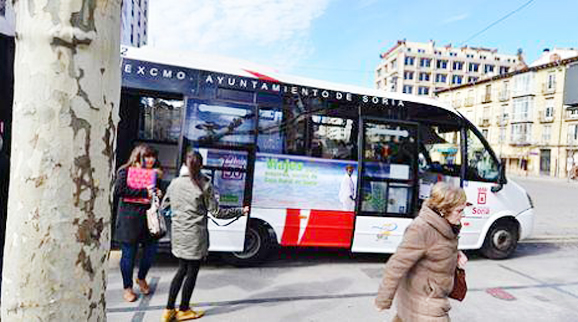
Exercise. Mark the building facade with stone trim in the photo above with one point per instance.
(528, 116)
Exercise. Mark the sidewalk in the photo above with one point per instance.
(323, 287)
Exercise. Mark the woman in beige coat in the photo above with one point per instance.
(191, 197)
(421, 272)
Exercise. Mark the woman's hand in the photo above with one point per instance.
(462, 260)
(246, 210)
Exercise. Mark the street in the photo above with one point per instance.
(537, 284)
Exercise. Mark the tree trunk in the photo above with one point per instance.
(66, 95)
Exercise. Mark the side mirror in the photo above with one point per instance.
(501, 179)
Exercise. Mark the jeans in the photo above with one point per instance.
(188, 271)
(127, 259)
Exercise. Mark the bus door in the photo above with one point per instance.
(224, 133)
(230, 171)
(387, 181)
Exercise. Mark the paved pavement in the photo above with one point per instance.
(539, 283)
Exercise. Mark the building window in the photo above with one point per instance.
(503, 134)
(409, 61)
(452, 54)
(572, 133)
(424, 77)
(521, 133)
(407, 89)
(524, 83)
(457, 79)
(549, 109)
(474, 67)
(485, 133)
(470, 56)
(458, 65)
(522, 109)
(425, 62)
(408, 75)
(394, 64)
(546, 134)
(488, 69)
(551, 83)
(441, 78)
(442, 64)
(421, 51)
(409, 50)
(472, 79)
(483, 57)
(423, 90)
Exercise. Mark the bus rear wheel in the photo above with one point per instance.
(501, 240)
(257, 246)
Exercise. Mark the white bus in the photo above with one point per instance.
(296, 149)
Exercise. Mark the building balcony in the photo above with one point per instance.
(571, 115)
(469, 101)
(486, 98)
(502, 120)
(549, 88)
(521, 141)
(546, 118)
(504, 96)
(484, 122)
(457, 103)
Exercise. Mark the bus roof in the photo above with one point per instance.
(227, 65)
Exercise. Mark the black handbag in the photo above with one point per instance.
(460, 287)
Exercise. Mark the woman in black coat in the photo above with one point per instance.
(131, 224)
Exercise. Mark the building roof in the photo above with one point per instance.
(557, 54)
(510, 74)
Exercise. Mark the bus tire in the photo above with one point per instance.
(258, 244)
(501, 240)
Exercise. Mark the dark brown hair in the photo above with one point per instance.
(194, 162)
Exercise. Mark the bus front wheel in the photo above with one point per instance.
(501, 240)
(257, 246)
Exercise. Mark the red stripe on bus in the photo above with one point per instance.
(328, 228)
(261, 76)
(291, 230)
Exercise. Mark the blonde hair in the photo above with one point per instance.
(445, 197)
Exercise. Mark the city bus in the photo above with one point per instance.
(320, 164)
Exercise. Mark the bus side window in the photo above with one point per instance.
(441, 151)
(481, 165)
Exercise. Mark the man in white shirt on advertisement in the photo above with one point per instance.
(347, 189)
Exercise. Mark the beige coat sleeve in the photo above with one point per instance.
(212, 204)
(409, 252)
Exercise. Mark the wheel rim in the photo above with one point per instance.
(252, 245)
(502, 240)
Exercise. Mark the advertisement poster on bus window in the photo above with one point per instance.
(284, 181)
(230, 183)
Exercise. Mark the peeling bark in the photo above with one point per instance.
(67, 89)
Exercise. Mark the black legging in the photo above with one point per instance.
(190, 269)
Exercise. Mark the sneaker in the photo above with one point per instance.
(143, 286)
(129, 295)
(168, 315)
(189, 315)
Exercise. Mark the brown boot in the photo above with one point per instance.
(143, 286)
(129, 295)
(168, 315)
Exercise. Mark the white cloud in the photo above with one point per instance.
(455, 18)
(272, 32)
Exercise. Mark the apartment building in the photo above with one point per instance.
(134, 23)
(529, 116)
(422, 68)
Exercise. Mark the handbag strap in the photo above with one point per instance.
(225, 225)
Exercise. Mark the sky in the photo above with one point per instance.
(341, 40)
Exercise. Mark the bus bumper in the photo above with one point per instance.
(526, 220)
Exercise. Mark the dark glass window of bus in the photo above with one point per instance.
(160, 119)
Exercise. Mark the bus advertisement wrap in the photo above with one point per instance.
(283, 181)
